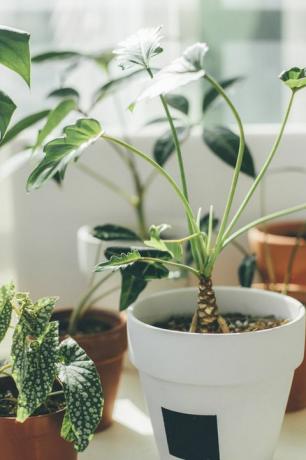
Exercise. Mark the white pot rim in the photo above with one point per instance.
(299, 316)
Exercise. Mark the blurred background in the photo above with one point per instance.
(256, 39)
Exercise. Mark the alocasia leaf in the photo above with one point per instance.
(7, 108)
(61, 151)
(34, 367)
(119, 261)
(6, 294)
(111, 232)
(14, 51)
(144, 252)
(83, 394)
(225, 144)
(55, 117)
(23, 124)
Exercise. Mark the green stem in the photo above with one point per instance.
(241, 150)
(80, 310)
(56, 393)
(4, 368)
(262, 220)
(262, 171)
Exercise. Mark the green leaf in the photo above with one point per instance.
(247, 270)
(114, 85)
(7, 108)
(61, 151)
(294, 78)
(159, 120)
(15, 52)
(64, 93)
(140, 48)
(55, 56)
(212, 94)
(110, 232)
(204, 222)
(36, 316)
(178, 102)
(83, 394)
(225, 144)
(23, 124)
(144, 252)
(55, 117)
(174, 248)
(183, 70)
(119, 261)
(164, 146)
(7, 293)
(34, 367)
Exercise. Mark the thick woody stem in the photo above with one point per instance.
(206, 318)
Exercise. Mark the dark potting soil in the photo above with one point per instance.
(236, 322)
(86, 326)
(8, 405)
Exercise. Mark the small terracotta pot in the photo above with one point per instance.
(273, 239)
(38, 438)
(297, 397)
(106, 349)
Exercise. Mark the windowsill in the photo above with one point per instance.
(131, 436)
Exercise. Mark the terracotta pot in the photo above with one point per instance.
(106, 349)
(38, 438)
(279, 247)
(297, 397)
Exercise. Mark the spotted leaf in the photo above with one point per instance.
(6, 294)
(35, 316)
(83, 394)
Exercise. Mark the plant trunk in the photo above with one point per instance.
(207, 318)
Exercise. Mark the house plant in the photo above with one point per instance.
(50, 391)
(208, 377)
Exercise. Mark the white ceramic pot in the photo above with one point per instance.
(91, 251)
(216, 396)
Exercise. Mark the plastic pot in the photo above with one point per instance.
(38, 438)
(216, 396)
(106, 349)
(273, 240)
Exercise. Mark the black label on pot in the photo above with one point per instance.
(191, 437)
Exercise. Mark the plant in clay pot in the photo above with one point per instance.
(212, 360)
(46, 387)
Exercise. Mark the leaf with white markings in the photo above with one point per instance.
(119, 261)
(83, 394)
(6, 295)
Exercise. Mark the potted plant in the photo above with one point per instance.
(212, 392)
(50, 392)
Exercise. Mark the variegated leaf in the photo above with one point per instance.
(6, 294)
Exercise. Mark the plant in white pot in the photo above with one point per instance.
(216, 365)
(50, 392)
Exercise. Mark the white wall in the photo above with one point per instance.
(43, 237)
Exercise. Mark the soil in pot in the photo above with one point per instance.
(38, 438)
(102, 334)
(236, 323)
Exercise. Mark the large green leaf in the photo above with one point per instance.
(294, 78)
(60, 152)
(34, 367)
(183, 70)
(64, 93)
(55, 56)
(55, 117)
(225, 144)
(247, 270)
(178, 102)
(7, 108)
(144, 252)
(114, 85)
(15, 52)
(6, 294)
(23, 124)
(164, 146)
(111, 232)
(83, 394)
(212, 94)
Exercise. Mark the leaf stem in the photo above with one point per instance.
(262, 171)
(5, 367)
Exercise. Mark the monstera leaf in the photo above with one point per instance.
(15, 52)
(61, 151)
(83, 394)
(110, 232)
(34, 367)
(6, 294)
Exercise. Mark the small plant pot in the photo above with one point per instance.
(216, 396)
(106, 349)
(273, 240)
(297, 397)
(38, 438)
